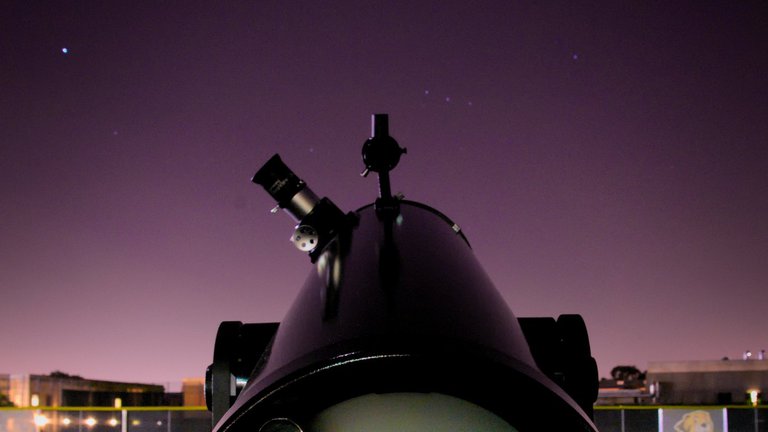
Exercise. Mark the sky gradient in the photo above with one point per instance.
(603, 159)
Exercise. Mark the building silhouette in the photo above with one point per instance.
(63, 390)
(193, 391)
(709, 382)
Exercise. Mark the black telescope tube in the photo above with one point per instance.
(290, 192)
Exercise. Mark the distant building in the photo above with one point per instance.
(173, 399)
(713, 382)
(62, 390)
(193, 390)
(618, 392)
(5, 387)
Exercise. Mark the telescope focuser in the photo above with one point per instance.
(318, 219)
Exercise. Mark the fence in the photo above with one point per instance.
(681, 419)
(197, 419)
(98, 419)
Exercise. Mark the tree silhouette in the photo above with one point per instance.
(627, 373)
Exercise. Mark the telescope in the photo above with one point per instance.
(397, 328)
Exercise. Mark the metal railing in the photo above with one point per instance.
(673, 418)
(729, 418)
(105, 419)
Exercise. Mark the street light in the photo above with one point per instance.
(41, 420)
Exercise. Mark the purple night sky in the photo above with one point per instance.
(604, 159)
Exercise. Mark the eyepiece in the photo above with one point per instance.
(290, 192)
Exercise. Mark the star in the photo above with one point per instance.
(65, 50)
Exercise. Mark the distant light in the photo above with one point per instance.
(66, 421)
(135, 422)
(34, 400)
(575, 56)
(112, 422)
(754, 397)
(41, 420)
(90, 422)
(65, 50)
(118, 403)
(159, 422)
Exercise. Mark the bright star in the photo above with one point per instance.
(65, 50)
